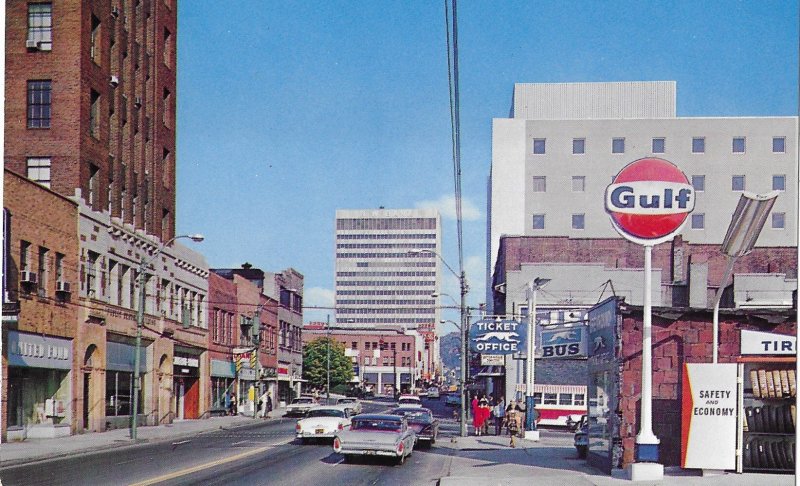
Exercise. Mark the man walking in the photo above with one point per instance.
(499, 416)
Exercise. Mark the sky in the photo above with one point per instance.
(290, 110)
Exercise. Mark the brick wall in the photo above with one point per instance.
(686, 339)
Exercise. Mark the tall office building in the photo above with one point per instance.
(387, 273)
(90, 104)
(553, 158)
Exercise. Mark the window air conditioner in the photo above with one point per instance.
(44, 46)
(62, 286)
(31, 44)
(113, 80)
(27, 277)
(137, 102)
(115, 12)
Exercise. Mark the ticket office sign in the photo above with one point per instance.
(709, 410)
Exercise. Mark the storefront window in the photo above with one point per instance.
(119, 393)
(218, 388)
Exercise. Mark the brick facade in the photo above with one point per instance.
(111, 136)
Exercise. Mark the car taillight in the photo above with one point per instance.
(337, 445)
(297, 427)
(341, 426)
(400, 449)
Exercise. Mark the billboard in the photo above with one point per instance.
(563, 342)
(498, 336)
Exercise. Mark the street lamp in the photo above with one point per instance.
(462, 280)
(531, 432)
(746, 223)
(140, 282)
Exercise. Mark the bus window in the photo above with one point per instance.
(537, 398)
(550, 398)
(580, 399)
(565, 398)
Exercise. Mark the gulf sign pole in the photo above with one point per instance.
(649, 201)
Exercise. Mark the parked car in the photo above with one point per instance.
(425, 425)
(376, 435)
(453, 400)
(582, 437)
(353, 403)
(323, 421)
(300, 406)
(433, 392)
(409, 401)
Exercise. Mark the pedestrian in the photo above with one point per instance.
(484, 411)
(262, 404)
(512, 423)
(499, 416)
(269, 404)
(474, 405)
(477, 417)
(226, 402)
(233, 408)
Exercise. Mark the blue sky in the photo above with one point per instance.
(290, 110)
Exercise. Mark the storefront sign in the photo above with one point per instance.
(498, 337)
(563, 342)
(36, 351)
(757, 342)
(709, 411)
(185, 361)
(223, 369)
(492, 360)
(248, 374)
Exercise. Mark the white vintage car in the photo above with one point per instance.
(376, 435)
(324, 421)
(409, 401)
(353, 403)
(300, 406)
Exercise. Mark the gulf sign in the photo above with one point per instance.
(649, 201)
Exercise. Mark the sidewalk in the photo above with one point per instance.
(488, 460)
(33, 450)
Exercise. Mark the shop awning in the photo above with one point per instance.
(489, 371)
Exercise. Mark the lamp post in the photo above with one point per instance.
(746, 224)
(328, 368)
(531, 432)
(140, 282)
(462, 281)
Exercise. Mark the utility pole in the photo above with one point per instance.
(255, 334)
(328, 374)
(464, 351)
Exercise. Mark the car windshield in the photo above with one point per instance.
(377, 425)
(414, 415)
(347, 400)
(303, 401)
(409, 401)
(325, 413)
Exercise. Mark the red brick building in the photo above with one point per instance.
(39, 313)
(90, 104)
(381, 357)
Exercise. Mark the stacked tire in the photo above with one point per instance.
(765, 451)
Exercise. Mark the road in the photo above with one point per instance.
(265, 453)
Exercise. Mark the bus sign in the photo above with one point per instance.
(499, 337)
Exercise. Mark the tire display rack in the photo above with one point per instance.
(768, 415)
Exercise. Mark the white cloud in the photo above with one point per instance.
(321, 298)
(447, 207)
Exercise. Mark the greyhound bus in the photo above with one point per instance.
(560, 405)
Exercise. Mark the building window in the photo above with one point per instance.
(539, 184)
(167, 101)
(698, 145)
(738, 145)
(737, 183)
(91, 273)
(119, 390)
(659, 145)
(698, 221)
(779, 183)
(538, 145)
(778, 145)
(39, 101)
(578, 221)
(778, 220)
(94, 41)
(59, 267)
(43, 274)
(39, 170)
(538, 221)
(354, 345)
(578, 183)
(167, 47)
(40, 25)
(92, 192)
(618, 146)
(578, 146)
(94, 114)
(699, 183)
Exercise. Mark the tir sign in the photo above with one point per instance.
(649, 201)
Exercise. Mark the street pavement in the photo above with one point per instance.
(243, 450)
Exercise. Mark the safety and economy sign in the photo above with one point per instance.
(709, 411)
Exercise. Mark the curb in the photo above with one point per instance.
(118, 444)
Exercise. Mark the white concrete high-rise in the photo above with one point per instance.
(387, 270)
(554, 157)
